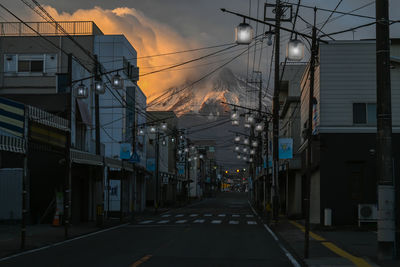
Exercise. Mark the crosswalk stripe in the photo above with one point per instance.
(198, 221)
(194, 215)
(235, 215)
(145, 222)
(216, 221)
(166, 215)
(233, 222)
(181, 221)
(251, 222)
(221, 215)
(207, 215)
(163, 221)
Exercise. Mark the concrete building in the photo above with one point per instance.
(36, 70)
(344, 128)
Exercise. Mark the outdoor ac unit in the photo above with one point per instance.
(367, 213)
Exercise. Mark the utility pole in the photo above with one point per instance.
(67, 185)
(100, 204)
(386, 193)
(314, 51)
(157, 176)
(25, 181)
(275, 111)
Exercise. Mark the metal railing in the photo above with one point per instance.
(43, 117)
(12, 144)
(49, 28)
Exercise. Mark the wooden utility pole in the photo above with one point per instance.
(275, 119)
(386, 192)
(314, 51)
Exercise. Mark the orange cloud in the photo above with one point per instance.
(148, 37)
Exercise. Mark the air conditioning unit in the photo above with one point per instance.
(367, 213)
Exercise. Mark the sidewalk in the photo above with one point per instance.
(349, 247)
(40, 235)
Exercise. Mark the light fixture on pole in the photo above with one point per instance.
(244, 33)
(180, 152)
(153, 129)
(295, 50)
(186, 150)
(268, 34)
(245, 150)
(252, 151)
(201, 156)
(82, 91)
(164, 142)
(117, 82)
(173, 139)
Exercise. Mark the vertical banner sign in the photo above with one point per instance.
(285, 148)
(125, 151)
(12, 117)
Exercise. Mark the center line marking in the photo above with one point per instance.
(140, 261)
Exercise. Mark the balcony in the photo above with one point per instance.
(49, 28)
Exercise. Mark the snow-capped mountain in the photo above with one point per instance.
(206, 96)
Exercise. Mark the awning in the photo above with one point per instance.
(12, 144)
(82, 157)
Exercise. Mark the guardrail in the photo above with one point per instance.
(43, 117)
(12, 144)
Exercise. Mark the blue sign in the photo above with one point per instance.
(125, 151)
(151, 164)
(12, 117)
(135, 158)
(181, 168)
(285, 148)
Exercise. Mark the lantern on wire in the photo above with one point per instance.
(259, 127)
(246, 141)
(250, 160)
(201, 156)
(164, 142)
(238, 156)
(252, 151)
(245, 150)
(82, 91)
(141, 131)
(99, 87)
(244, 33)
(164, 126)
(295, 50)
(244, 158)
(254, 143)
(186, 150)
(237, 138)
(117, 82)
(237, 148)
(153, 129)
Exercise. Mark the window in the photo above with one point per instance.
(30, 64)
(364, 113)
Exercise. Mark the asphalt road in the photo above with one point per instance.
(222, 231)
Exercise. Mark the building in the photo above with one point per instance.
(44, 68)
(290, 177)
(344, 129)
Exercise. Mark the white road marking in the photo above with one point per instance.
(181, 221)
(194, 215)
(146, 222)
(207, 215)
(198, 221)
(233, 222)
(179, 215)
(163, 221)
(166, 215)
(251, 222)
(221, 215)
(235, 215)
(287, 253)
(216, 221)
(249, 216)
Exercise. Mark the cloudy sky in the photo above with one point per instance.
(161, 26)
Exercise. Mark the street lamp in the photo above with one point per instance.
(164, 126)
(295, 50)
(117, 82)
(259, 127)
(237, 138)
(99, 87)
(254, 143)
(246, 141)
(141, 131)
(153, 129)
(237, 148)
(244, 33)
(82, 91)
